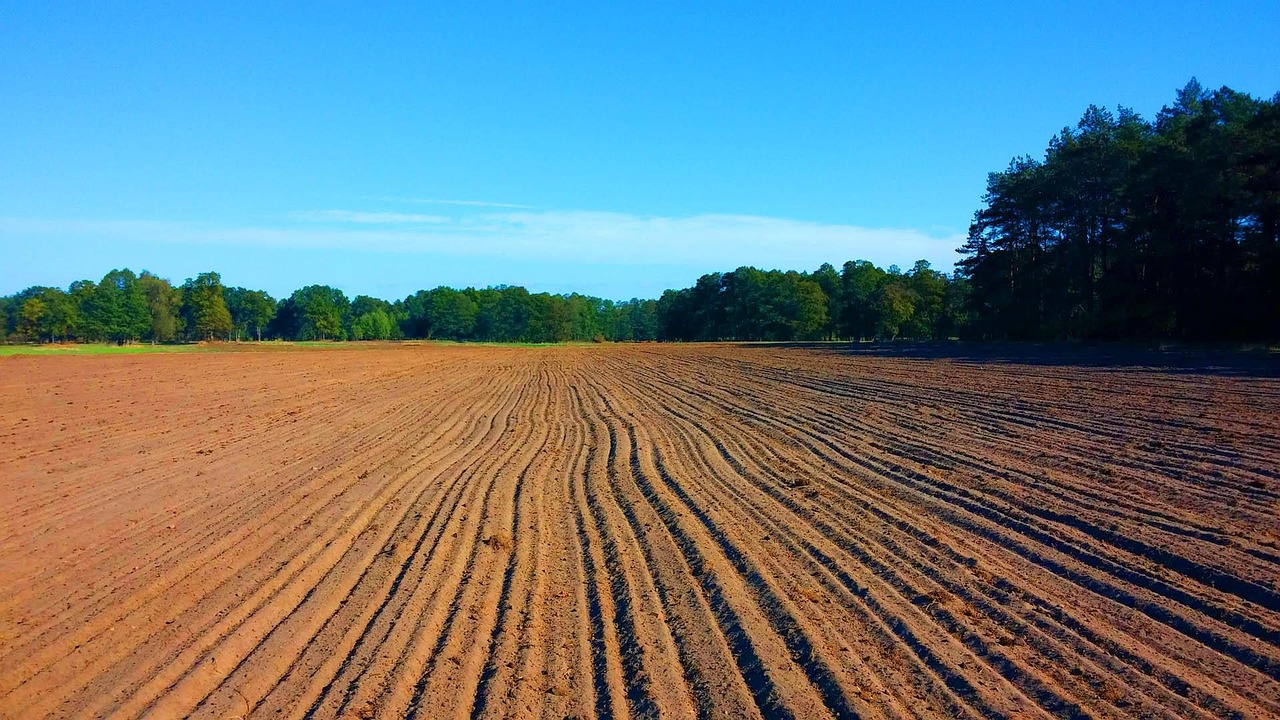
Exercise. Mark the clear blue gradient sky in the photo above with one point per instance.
(594, 147)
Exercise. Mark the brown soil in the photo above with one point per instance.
(606, 531)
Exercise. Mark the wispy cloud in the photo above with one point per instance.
(707, 241)
(367, 218)
(464, 203)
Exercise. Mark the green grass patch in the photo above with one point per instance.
(94, 349)
(146, 348)
(247, 346)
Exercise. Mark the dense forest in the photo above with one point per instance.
(1126, 230)
(1130, 229)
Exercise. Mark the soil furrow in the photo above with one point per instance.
(612, 531)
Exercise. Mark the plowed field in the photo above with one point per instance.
(705, 531)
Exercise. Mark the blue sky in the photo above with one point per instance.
(594, 147)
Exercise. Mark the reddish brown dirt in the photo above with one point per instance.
(710, 531)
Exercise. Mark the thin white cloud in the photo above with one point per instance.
(706, 241)
(464, 203)
(367, 218)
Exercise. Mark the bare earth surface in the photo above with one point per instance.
(708, 531)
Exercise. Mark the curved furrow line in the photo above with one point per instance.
(161, 594)
(885, 627)
(698, 629)
(458, 654)
(974, 408)
(498, 678)
(530, 675)
(721, 668)
(978, 402)
(979, 411)
(1085, 495)
(367, 595)
(908, 392)
(1062, 569)
(830, 524)
(1078, 458)
(987, 598)
(1128, 573)
(1202, 575)
(798, 648)
(1086, 517)
(576, 672)
(369, 670)
(701, 653)
(364, 675)
(175, 414)
(800, 684)
(324, 671)
(830, 566)
(1215, 640)
(923, 447)
(338, 562)
(258, 500)
(907, 479)
(628, 674)
(387, 499)
(606, 672)
(331, 654)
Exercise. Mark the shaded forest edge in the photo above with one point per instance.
(1127, 229)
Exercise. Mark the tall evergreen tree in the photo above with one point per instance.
(1129, 229)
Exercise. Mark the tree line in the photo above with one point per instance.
(859, 301)
(1136, 230)
(126, 307)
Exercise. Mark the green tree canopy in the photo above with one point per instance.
(372, 325)
(314, 312)
(204, 307)
(116, 309)
(251, 311)
(164, 305)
